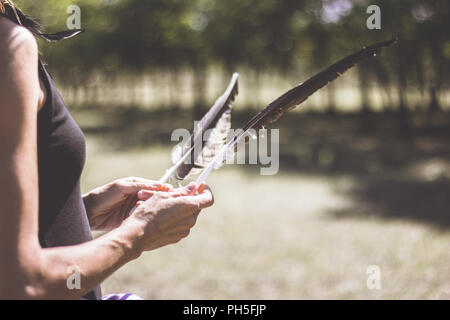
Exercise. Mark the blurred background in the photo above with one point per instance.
(364, 164)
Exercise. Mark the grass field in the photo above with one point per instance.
(301, 234)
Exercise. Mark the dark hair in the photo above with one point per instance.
(24, 20)
(33, 25)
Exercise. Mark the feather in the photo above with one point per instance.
(222, 104)
(216, 140)
(291, 99)
(62, 35)
(180, 154)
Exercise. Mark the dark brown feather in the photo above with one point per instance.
(291, 99)
(222, 104)
(300, 93)
(62, 35)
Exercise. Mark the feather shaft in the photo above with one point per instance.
(181, 167)
(222, 104)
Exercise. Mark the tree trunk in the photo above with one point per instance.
(199, 87)
(434, 101)
(331, 98)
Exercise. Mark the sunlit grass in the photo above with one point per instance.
(274, 238)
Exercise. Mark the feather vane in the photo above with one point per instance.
(189, 156)
(214, 143)
(293, 98)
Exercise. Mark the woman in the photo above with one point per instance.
(45, 222)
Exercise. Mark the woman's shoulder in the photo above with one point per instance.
(15, 39)
(18, 66)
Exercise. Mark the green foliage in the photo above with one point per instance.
(264, 35)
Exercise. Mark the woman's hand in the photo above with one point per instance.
(167, 217)
(109, 205)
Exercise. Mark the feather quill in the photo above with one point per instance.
(62, 35)
(291, 99)
(195, 154)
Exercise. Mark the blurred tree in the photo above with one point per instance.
(264, 35)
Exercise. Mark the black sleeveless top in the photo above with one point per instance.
(61, 157)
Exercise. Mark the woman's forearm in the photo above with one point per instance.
(94, 260)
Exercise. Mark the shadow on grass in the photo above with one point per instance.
(408, 199)
(378, 150)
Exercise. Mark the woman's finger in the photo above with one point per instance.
(135, 184)
(167, 187)
(133, 187)
(139, 180)
(145, 194)
(139, 203)
(204, 198)
(203, 187)
(179, 235)
(190, 189)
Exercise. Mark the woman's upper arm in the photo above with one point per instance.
(19, 99)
